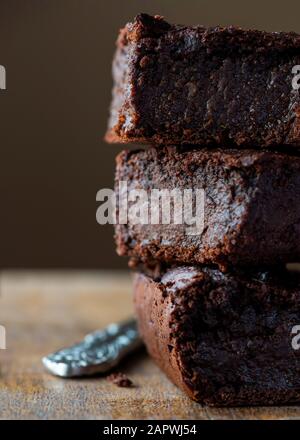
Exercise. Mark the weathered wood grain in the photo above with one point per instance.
(46, 311)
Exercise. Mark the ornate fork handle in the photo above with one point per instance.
(99, 351)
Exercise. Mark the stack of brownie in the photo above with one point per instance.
(216, 310)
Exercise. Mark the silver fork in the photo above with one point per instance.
(99, 351)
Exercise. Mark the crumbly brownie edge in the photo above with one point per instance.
(261, 183)
(132, 120)
(168, 328)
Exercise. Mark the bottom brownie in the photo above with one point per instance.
(226, 340)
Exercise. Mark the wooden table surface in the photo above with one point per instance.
(44, 311)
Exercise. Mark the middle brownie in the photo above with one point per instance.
(251, 206)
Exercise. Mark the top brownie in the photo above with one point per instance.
(204, 86)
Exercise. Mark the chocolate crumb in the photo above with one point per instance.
(120, 379)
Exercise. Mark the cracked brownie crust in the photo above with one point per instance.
(224, 339)
(206, 86)
(251, 210)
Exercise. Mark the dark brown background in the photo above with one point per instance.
(53, 116)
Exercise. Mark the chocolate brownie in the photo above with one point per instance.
(251, 207)
(226, 340)
(120, 379)
(207, 86)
